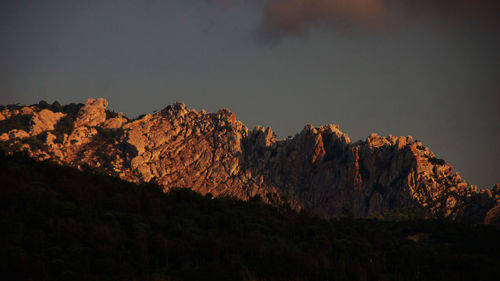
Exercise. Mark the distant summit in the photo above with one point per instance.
(319, 169)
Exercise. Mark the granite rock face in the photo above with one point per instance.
(319, 169)
(92, 114)
(44, 120)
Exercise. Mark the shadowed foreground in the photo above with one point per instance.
(58, 223)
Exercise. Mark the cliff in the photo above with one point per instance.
(319, 169)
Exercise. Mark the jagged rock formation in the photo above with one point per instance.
(319, 169)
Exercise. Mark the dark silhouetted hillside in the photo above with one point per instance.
(58, 223)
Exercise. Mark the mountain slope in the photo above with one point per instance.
(58, 223)
(319, 169)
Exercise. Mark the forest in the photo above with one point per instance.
(60, 223)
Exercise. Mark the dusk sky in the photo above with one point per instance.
(426, 68)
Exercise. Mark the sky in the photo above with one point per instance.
(429, 69)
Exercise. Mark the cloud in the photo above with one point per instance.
(295, 15)
(289, 17)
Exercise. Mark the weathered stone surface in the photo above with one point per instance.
(114, 123)
(44, 120)
(92, 113)
(18, 134)
(318, 169)
(26, 110)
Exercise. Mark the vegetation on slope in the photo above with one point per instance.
(57, 223)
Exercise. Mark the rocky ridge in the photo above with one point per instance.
(319, 169)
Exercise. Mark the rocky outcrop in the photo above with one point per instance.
(92, 114)
(115, 123)
(45, 120)
(319, 169)
(493, 208)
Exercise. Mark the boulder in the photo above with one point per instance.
(45, 120)
(92, 113)
(115, 123)
(18, 134)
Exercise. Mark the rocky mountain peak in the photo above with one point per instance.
(318, 169)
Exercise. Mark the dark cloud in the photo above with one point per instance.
(284, 17)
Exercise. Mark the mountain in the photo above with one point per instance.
(319, 169)
(58, 223)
